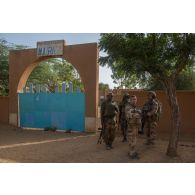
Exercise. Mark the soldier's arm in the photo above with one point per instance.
(144, 107)
(154, 109)
(128, 112)
(116, 108)
(102, 111)
(120, 111)
(139, 111)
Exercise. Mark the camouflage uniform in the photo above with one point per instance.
(109, 110)
(150, 107)
(133, 116)
(122, 118)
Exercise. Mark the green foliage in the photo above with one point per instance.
(185, 81)
(55, 71)
(125, 79)
(4, 75)
(4, 68)
(160, 55)
(103, 86)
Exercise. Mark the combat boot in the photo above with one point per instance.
(124, 139)
(134, 156)
(149, 142)
(108, 147)
(111, 146)
(141, 132)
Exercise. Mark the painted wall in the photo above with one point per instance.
(186, 101)
(4, 110)
(83, 57)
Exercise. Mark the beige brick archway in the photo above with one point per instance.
(84, 57)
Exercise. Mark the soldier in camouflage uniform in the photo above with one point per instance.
(133, 117)
(149, 113)
(122, 118)
(109, 110)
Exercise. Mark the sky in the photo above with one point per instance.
(30, 39)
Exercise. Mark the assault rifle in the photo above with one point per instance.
(100, 137)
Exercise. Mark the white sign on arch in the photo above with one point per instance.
(50, 48)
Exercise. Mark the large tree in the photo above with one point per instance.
(4, 50)
(104, 86)
(185, 81)
(162, 56)
(55, 71)
(127, 79)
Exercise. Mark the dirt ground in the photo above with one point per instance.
(20, 145)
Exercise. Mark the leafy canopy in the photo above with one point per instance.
(55, 71)
(161, 55)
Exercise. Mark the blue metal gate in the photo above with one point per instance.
(64, 111)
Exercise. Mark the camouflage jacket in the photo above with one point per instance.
(150, 107)
(109, 109)
(122, 106)
(132, 114)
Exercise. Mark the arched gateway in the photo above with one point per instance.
(84, 57)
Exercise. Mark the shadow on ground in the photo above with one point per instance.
(19, 145)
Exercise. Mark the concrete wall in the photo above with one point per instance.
(4, 110)
(84, 57)
(186, 101)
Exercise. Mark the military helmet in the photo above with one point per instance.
(152, 93)
(110, 94)
(127, 95)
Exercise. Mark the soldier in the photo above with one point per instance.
(150, 116)
(122, 118)
(133, 117)
(109, 110)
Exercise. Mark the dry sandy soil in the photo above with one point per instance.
(20, 145)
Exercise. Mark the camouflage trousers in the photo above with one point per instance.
(109, 131)
(123, 125)
(150, 131)
(132, 137)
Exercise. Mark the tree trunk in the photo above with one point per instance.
(175, 114)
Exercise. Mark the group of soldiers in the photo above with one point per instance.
(132, 120)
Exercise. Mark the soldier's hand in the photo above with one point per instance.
(136, 115)
(148, 114)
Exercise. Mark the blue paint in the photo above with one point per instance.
(61, 110)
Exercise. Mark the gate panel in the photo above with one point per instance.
(61, 110)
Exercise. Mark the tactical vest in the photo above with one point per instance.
(133, 116)
(110, 109)
(148, 108)
(123, 109)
